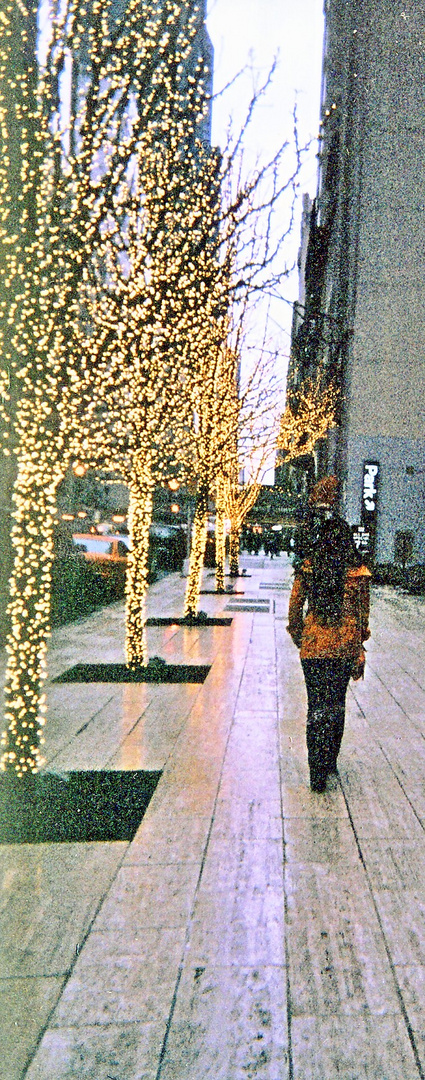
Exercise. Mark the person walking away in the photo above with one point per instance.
(274, 544)
(334, 584)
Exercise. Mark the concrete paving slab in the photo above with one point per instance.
(247, 819)
(50, 894)
(328, 841)
(122, 976)
(246, 867)
(402, 917)
(99, 1052)
(373, 1048)
(170, 838)
(25, 1007)
(337, 959)
(411, 981)
(247, 1039)
(251, 928)
(152, 896)
(231, 928)
(395, 864)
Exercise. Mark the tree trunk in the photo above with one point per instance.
(197, 552)
(220, 539)
(140, 517)
(19, 156)
(234, 552)
(29, 612)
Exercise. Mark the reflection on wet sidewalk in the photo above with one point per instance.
(250, 928)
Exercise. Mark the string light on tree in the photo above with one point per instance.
(309, 414)
(71, 189)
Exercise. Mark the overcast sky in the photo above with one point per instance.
(255, 31)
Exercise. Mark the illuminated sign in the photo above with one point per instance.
(369, 506)
(370, 486)
(361, 537)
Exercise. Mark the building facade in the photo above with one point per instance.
(361, 319)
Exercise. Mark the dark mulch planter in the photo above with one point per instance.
(158, 671)
(196, 621)
(74, 807)
(222, 592)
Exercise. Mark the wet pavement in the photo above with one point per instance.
(251, 929)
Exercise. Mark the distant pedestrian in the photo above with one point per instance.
(246, 539)
(335, 585)
(256, 542)
(250, 545)
(274, 544)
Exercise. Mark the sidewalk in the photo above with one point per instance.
(251, 930)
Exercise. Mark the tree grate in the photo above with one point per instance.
(250, 605)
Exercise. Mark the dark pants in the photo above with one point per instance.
(326, 681)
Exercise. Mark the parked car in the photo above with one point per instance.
(103, 550)
(109, 552)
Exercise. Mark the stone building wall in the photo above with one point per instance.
(372, 198)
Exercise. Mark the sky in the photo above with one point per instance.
(253, 33)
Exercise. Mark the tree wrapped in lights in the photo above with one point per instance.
(156, 306)
(235, 434)
(131, 67)
(247, 266)
(220, 534)
(308, 415)
(208, 399)
(246, 430)
(240, 499)
(252, 449)
(141, 311)
(226, 437)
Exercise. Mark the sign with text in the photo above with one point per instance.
(369, 504)
(361, 537)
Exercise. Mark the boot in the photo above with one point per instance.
(338, 731)
(319, 748)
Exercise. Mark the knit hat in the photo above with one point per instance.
(324, 494)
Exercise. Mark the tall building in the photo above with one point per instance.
(361, 315)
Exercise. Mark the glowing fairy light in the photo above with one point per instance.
(146, 324)
(72, 191)
(309, 414)
(220, 535)
(239, 501)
